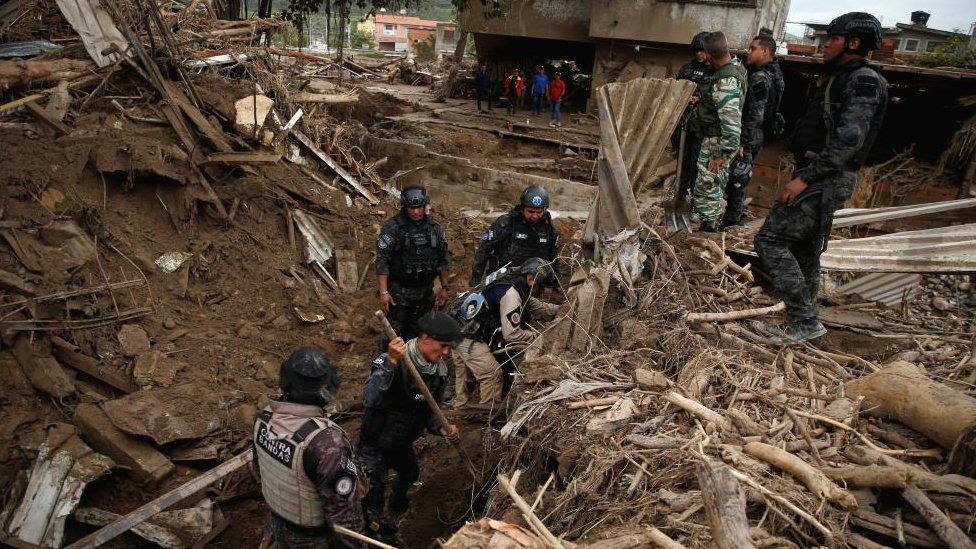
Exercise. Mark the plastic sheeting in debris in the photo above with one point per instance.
(28, 48)
(170, 262)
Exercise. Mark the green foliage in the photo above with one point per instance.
(956, 52)
(362, 39)
(425, 49)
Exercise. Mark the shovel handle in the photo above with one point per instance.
(414, 374)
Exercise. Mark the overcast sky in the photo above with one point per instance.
(946, 14)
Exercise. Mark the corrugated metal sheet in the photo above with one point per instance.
(887, 288)
(646, 112)
(942, 250)
(849, 217)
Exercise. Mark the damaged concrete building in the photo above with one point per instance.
(613, 40)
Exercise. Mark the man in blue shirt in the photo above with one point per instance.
(540, 83)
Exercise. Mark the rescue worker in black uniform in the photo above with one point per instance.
(304, 461)
(698, 70)
(397, 414)
(831, 143)
(760, 120)
(500, 326)
(515, 237)
(410, 254)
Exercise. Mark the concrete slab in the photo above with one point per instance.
(146, 464)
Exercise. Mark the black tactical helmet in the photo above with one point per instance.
(698, 42)
(414, 196)
(535, 196)
(540, 268)
(308, 377)
(857, 23)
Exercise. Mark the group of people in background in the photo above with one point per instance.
(542, 89)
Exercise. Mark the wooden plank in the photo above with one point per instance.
(95, 28)
(163, 502)
(20, 102)
(329, 98)
(213, 135)
(243, 158)
(47, 118)
(71, 355)
(346, 176)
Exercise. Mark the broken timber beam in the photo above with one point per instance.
(71, 355)
(242, 158)
(328, 160)
(163, 502)
(326, 98)
(147, 464)
(47, 118)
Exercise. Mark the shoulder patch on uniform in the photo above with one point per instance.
(380, 360)
(866, 86)
(759, 89)
(344, 485)
(514, 317)
(279, 449)
(488, 235)
(384, 241)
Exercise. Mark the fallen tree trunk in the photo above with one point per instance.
(725, 506)
(816, 481)
(901, 391)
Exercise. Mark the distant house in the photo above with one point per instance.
(907, 39)
(401, 32)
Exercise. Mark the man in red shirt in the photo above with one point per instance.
(514, 86)
(557, 90)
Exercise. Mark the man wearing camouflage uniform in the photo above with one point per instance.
(698, 70)
(760, 119)
(410, 254)
(831, 142)
(718, 117)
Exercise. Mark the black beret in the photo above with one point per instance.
(440, 326)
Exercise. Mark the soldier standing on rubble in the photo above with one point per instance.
(698, 70)
(521, 234)
(760, 117)
(410, 254)
(498, 322)
(831, 143)
(718, 116)
(397, 414)
(304, 461)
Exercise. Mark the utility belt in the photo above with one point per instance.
(412, 293)
(308, 531)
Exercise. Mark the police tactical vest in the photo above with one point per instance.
(416, 263)
(401, 415)
(281, 433)
(706, 112)
(527, 241)
(823, 115)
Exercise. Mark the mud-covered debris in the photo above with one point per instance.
(133, 340)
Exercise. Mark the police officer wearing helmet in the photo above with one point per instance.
(500, 325)
(304, 461)
(410, 254)
(831, 142)
(521, 234)
(698, 70)
(397, 414)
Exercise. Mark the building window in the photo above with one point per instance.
(389, 29)
(448, 34)
(895, 43)
(931, 45)
(911, 44)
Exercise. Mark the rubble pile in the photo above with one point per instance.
(680, 415)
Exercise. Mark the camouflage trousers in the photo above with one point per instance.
(709, 186)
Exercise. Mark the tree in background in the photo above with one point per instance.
(362, 39)
(956, 52)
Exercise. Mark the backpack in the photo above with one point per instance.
(470, 308)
